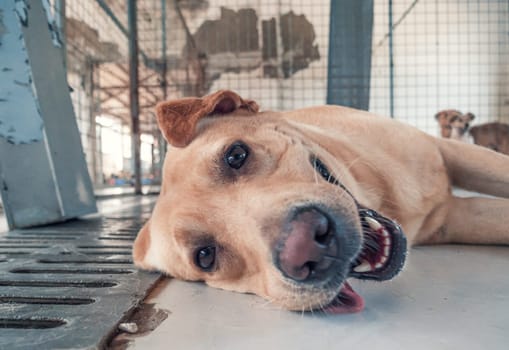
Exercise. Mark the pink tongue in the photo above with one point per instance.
(346, 302)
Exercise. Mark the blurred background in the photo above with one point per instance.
(424, 56)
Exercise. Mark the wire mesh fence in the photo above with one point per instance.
(451, 54)
(444, 54)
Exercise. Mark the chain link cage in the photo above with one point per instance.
(427, 55)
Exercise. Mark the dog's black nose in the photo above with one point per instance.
(309, 248)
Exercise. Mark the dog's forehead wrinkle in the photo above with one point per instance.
(229, 123)
(182, 163)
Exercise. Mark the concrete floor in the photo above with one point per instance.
(109, 199)
(447, 297)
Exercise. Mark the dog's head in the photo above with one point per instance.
(248, 203)
(453, 123)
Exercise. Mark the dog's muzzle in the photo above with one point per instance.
(319, 247)
(384, 244)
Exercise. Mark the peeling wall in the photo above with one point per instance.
(238, 48)
(288, 69)
(20, 120)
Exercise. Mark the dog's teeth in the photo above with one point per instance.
(387, 250)
(383, 259)
(385, 234)
(379, 265)
(363, 267)
(375, 225)
(387, 241)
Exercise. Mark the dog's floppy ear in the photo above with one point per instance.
(177, 119)
(440, 115)
(471, 116)
(141, 245)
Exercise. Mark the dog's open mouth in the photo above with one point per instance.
(383, 250)
(381, 256)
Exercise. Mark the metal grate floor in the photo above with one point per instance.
(68, 285)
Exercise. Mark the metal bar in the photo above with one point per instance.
(161, 143)
(112, 16)
(143, 103)
(91, 119)
(116, 75)
(149, 91)
(116, 97)
(110, 110)
(121, 89)
(164, 82)
(280, 59)
(391, 63)
(134, 93)
(119, 96)
(350, 43)
(397, 23)
(126, 87)
(182, 19)
(119, 24)
(191, 51)
(121, 67)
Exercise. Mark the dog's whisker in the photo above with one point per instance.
(361, 161)
(331, 257)
(270, 304)
(354, 161)
(266, 303)
(311, 308)
(334, 258)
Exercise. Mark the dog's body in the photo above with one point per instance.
(276, 203)
(456, 125)
(494, 136)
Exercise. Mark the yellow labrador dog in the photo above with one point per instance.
(289, 205)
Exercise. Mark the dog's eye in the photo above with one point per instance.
(324, 172)
(236, 155)
(205, 258)
(322, 169)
